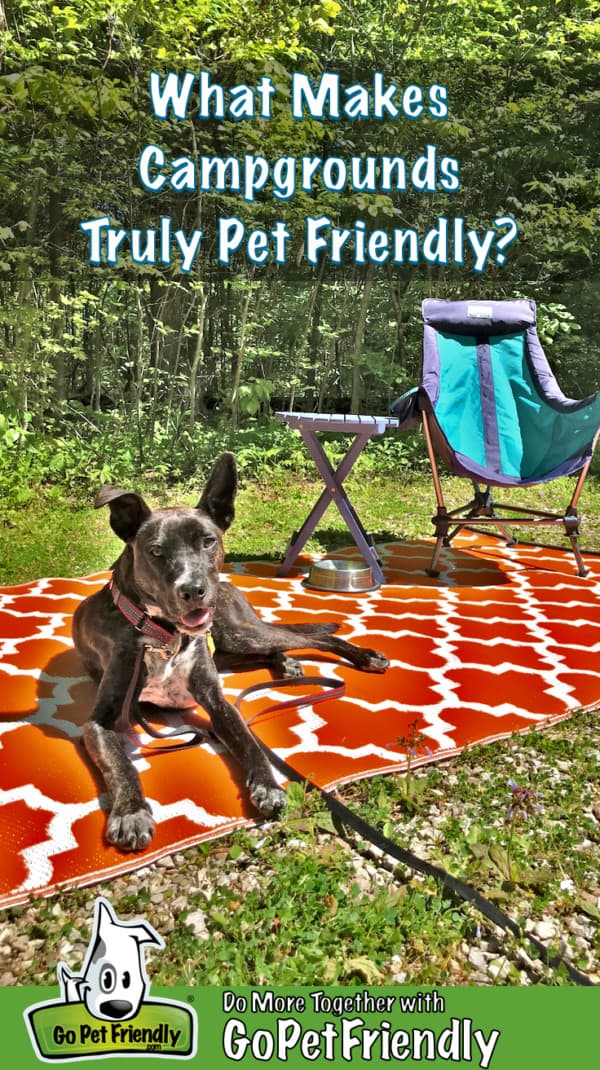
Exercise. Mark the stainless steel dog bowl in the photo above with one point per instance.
(337, 574)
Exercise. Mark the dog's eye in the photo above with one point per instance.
(126, 979)
(108, 978)
(209, 541)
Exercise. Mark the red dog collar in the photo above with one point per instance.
(141, 621)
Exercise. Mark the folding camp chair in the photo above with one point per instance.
(492, 410)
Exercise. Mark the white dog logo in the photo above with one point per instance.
(113, 981)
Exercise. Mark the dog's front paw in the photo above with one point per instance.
(268, 799)
(374, 661)
(130, 832)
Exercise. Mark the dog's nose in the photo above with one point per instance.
(116, 1008)
(192, 590)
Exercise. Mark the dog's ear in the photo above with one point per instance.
(109, 928)
(127, 510)
(219, 493)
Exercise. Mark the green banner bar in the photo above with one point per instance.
(505, 1028)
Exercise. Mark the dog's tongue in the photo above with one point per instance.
(196, 618)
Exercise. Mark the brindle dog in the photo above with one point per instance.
(169, 571)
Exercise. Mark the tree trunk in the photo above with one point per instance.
(202, 298)
(174, 362)
(26, 303)
(359, 338)
(313, 328)
(56, 284)
(139, 374)
(398, 291)
(239, 358)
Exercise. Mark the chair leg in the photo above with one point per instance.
(433, 569)
(506, 535)
(487, 507)
(483, 505)
(440, 520)
(582, 569)
(571, 520)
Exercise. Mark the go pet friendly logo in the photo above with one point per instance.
(104, 1010)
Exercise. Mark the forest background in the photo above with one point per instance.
(114, 372)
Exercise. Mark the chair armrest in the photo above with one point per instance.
(407, 409)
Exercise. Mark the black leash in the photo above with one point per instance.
(458, 887)
(348, 818)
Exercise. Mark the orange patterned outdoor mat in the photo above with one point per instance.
(505, 640)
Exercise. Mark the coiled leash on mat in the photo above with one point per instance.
(334, 689)
(200, 733)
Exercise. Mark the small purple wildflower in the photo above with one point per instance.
(414, 742)
(522, 803)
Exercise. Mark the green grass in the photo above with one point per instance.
(58, 535)
(294, 903)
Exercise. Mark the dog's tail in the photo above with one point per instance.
(315, 629)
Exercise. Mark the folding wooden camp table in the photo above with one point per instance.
(362, 428)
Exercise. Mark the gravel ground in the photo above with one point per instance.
(31, 959)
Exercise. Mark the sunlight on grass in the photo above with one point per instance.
(54, 535)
